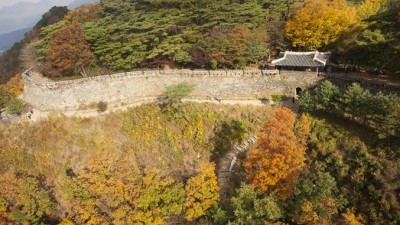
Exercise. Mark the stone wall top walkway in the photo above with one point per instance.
(182, 72)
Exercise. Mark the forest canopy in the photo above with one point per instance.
(123, 35)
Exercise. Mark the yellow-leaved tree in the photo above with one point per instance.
(23, 200)
(279, 157)
(113, 190)
(321, 22)
(370, 8)
(202, 192)
(351, 218)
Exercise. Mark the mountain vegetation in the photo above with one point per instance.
(123, 35)
(379, 111)
(21, 56)
(144, 166)
(155, 166)
(336, 162)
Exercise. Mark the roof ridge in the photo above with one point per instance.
(300, 53)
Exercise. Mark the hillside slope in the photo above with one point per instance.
(124, 35)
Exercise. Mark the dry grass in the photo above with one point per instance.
(169, 139)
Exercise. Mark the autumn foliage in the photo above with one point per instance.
(113, 189)
(15, 85)
(310, 216)
(202, 192)
(23, 200)
(320, 23)
(68, 52)
(279, 157)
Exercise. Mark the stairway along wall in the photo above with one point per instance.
(148, 85)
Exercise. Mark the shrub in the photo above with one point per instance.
(174, 93)
(15, 106)
(101, 106)
(276, 98)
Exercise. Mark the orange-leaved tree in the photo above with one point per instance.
(321, 22)
(15, 85)
(202, 192)
(279, 157)
(68, 52)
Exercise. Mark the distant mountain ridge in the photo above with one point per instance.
(7, 40)
(19, 18)
(25, 14)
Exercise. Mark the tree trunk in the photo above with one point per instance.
(83, 72)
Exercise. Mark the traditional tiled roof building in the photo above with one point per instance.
(302, 59)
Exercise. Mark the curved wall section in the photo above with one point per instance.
(146, 85)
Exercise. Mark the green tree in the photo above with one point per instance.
(55, 14)
(174, 93)
(387, 120)
(327, 96)
(160, 33)
(356, 101)
(278, 8)
(12, 104)
(251, 207)
(15, 106)
(314, 200)
(101, 106)
(306, 102)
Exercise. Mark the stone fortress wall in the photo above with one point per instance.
(144, 86)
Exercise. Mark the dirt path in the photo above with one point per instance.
(84, 113)
(41, 115)
(381, 81)
(227, 164)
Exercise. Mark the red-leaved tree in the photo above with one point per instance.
(68, 52)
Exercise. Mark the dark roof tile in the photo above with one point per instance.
(302, 59)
